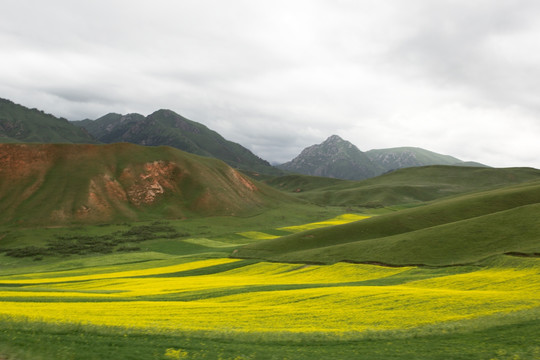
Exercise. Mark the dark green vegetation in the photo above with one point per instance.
(454, 230)
(65, 183)
(337, 158)
(506, 341)
(82, 244)
(25, 245)
(20, 124)
(164, 127)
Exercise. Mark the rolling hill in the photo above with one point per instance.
(63, 183)
(19, 124)
(456, 230)
(412, 185)
(165, 127)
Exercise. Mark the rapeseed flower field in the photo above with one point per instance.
(271, 297)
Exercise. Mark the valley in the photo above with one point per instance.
(125, 250)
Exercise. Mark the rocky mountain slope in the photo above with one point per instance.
(334, 158)
(405, 157)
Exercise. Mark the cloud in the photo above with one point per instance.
(457, 77)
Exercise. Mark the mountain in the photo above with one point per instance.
(336, 158)
(165, 127)
(404, 157)
(457, 230)
(66, 183)
(21, 124)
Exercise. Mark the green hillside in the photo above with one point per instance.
(164, 127)
(57, 184)
(405, 186)
(457, 230)
(21, 124)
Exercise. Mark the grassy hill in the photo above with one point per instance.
(405, 186)
(457, 230)
(165, 127)
(21, 124)
(63, 183)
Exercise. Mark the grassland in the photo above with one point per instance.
(186, 299)
(457, 278)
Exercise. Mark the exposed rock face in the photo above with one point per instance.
(148, 185)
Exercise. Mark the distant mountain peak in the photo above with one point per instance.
(339, 158)
(333, 138)
(334, 157)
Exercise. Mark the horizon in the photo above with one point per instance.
(455, 77)
(275, 163)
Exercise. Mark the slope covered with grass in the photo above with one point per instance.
(457, 230)
(405, 186)
(59, 184)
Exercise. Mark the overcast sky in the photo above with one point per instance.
(458, 77)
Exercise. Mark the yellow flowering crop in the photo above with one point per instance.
(270, 297)
(257, 235)
(341, 219)
(57, 278)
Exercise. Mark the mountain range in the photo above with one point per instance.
(334, 158)
(338, 158)
(165, 127)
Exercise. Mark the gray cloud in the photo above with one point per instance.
(457, 77)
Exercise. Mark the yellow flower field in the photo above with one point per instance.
(270, 297)
(338, 220)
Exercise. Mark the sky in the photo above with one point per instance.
(458, 77)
